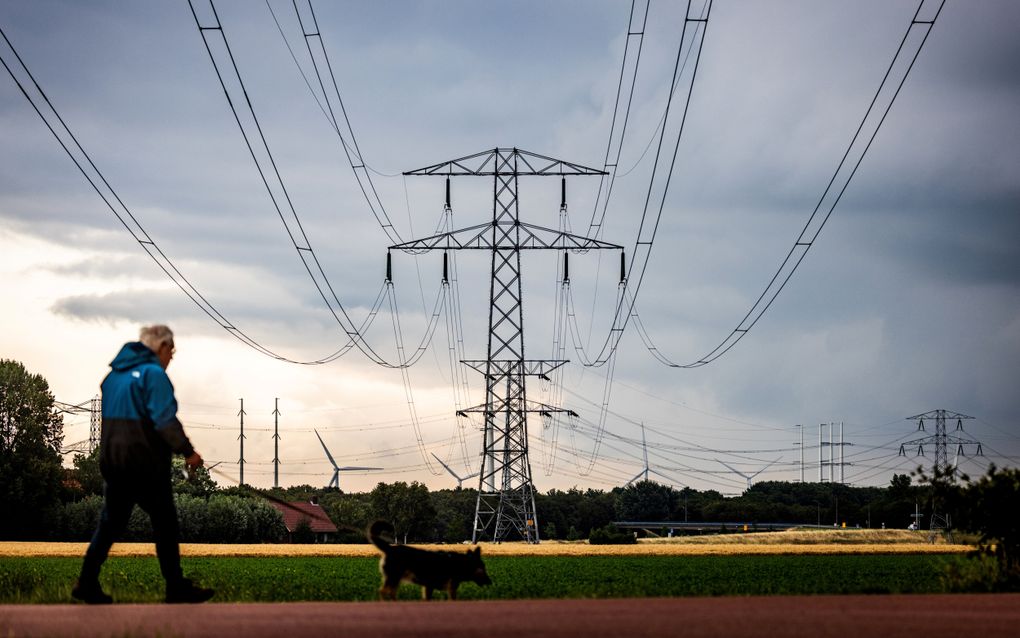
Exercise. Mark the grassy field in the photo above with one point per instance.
(791, 562)
(304, 578)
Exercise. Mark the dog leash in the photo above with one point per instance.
(266, 496)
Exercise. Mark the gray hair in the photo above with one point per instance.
(155, 336)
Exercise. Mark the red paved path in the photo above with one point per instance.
(913, 616)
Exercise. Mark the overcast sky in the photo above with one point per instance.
(907, 302)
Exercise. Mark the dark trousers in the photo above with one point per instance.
(156, 498)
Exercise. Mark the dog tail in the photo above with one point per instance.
(375, 532)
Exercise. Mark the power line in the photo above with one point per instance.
(292, 223)
(810, 232)
(83, 161)
(634, 30)
(353, 152)
(647, 229)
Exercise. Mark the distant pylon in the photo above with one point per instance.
(241, 439)
(95, 422)
(276, 442)
(940, 523)
(831, 463)
(940, 439)
(506, 500)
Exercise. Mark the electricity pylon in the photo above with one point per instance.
(940, 439)
(95, 422)
(940, 522)
(276, 442)
(95, 411)
(506, 499)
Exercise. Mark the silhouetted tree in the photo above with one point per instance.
(407, 507)
(30, 466)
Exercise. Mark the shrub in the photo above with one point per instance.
(80, 518)
(611, 535)
(303, 532)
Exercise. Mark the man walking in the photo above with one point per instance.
(139, 437)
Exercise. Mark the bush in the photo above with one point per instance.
(992, 504)
(267, 524)
(974, 573)
(303, 532)
(80, 518)
(611, 535)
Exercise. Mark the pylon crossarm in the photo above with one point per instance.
(529, 367)
(502, 407)
(958, 441)
(479, 237)
(472, 237)
(79, 446)
(539, 237)
(499, 161)
(938, 413)
(67, 408)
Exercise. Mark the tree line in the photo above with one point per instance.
(41, 500)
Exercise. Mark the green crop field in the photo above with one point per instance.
(282, 579)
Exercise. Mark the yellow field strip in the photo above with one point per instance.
(546, 548)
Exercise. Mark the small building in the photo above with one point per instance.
(318, 521)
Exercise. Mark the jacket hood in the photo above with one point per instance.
(133, 355)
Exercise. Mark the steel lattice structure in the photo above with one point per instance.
(506, 501)
(95, 411)
(940, 522)
(940, 439)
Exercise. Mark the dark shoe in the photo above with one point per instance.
(91, 593)
(187, 592)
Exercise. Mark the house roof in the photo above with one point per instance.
(318, 520)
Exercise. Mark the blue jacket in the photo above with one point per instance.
(140, 427)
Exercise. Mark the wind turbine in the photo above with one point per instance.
(748, 476)
(460, 479)
(335, 481)
(644, 447)
(645, 472)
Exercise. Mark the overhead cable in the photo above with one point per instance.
(83, 161)
(273, 182)
(918, 29)
(342, 126)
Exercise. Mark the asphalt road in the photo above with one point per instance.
(886, 616)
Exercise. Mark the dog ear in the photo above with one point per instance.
(478, 552)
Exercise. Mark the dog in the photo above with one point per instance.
(431, 569)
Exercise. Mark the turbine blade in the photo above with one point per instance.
(328, 455)
(452, 473)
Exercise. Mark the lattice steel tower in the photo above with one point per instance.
(95, 422)
(506, 499)
(940, 439)
(940, 521)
